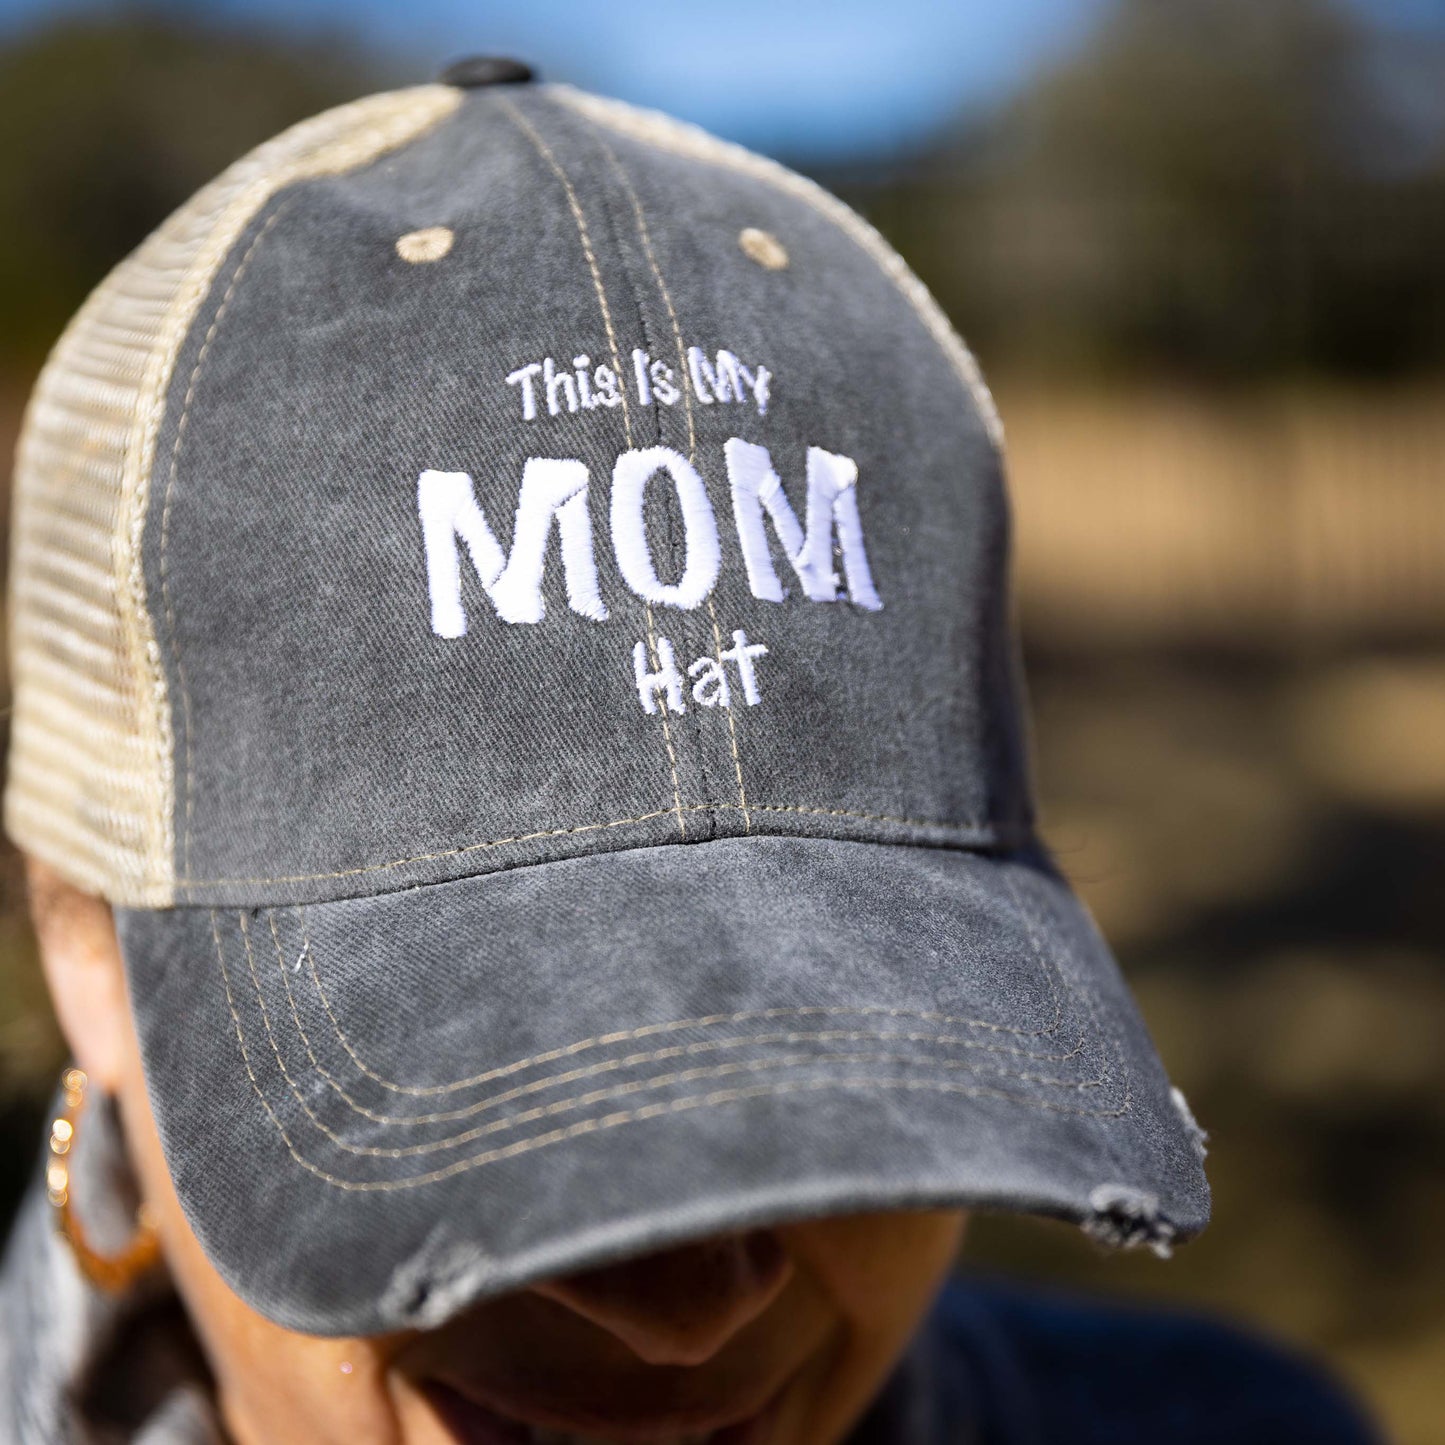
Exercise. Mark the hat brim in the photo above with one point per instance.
(379, 1110)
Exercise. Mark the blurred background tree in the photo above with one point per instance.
(1219, 188)
(1196, 245)
(107, 123)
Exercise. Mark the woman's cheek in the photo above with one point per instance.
(879, 1273)
(272, 1385)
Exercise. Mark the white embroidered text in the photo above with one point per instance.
(555, 490)
(660, 683)
(549, 388)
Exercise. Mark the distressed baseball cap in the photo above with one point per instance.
(509, 603)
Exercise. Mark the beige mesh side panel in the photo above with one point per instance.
(688, 140)
(90, 785)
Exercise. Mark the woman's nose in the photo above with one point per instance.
(679, 1306)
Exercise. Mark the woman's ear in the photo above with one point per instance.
(80, 955)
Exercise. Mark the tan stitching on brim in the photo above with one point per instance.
(715, 1098)
(567, 1052)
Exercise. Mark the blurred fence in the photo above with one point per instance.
(1277, 517)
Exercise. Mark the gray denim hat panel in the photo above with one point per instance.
(576, 554)
(379, 1110)
(329, 743)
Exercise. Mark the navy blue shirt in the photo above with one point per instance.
(1003, 1364)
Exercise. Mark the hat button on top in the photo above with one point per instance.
(477, 70)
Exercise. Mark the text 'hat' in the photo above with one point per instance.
(510, 605)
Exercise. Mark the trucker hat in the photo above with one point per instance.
(509, 604)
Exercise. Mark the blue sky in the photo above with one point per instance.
(810, 78)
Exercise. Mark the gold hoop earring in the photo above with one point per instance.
(110, 1272)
